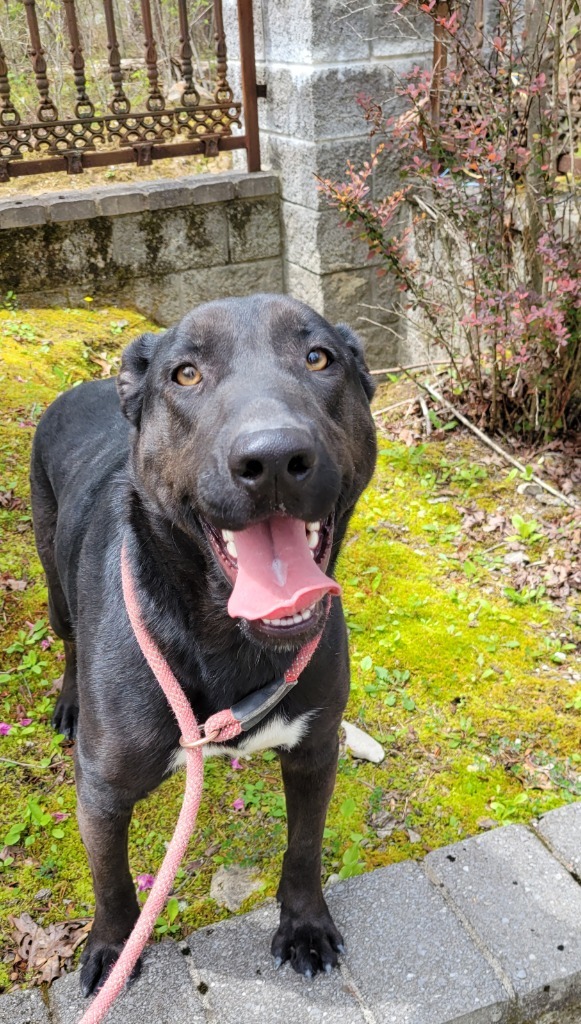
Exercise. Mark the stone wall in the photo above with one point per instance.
(165, 246)
(162, 247)
(315, 58)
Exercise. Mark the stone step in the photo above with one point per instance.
(163, 994)
(561, 830)
(523, 906)
(23, 1008)
(485, 931)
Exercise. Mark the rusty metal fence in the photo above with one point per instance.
(92, 138)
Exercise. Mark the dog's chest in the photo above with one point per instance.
(278, 732)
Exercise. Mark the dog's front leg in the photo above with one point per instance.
(306, 935)
(104, 828)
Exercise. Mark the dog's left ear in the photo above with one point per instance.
(131, 380)
(356, 346)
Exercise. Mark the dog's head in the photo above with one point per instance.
(253, 431)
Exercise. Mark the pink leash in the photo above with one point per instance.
(219, 728)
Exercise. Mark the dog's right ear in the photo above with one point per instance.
(131, 380)
(355, 344)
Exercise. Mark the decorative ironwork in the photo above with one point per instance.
(119, 104)
(46, 109)
(124, 130)
(223, 92)
(191, 96)
(83, 107)
(79, 140)
(8, 113)
(57, 138)
(155, 100)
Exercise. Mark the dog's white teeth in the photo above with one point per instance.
(228, 538)
(290, 620)
(313, 536)
(287, 620)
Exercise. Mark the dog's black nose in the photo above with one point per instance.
(280, 459)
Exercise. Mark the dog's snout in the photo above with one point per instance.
(266, 459)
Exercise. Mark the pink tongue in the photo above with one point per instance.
(277, 575)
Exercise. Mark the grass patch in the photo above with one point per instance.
(470, 681)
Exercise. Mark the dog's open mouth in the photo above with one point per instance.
(277, 568)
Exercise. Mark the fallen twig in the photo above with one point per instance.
(396, 405)
(500, 544)
(413, 366)
(23, 764)
(492, 444)
(426, 415)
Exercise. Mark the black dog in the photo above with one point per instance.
(247, 424)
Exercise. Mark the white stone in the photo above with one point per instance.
(361, 744)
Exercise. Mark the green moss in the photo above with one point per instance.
(483, 711)
(197, 228)
(98, 253)
(240, 215)
(42, 353)
(150, 224)
(456, 682)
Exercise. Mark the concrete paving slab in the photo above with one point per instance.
(561, 829)
(524, 906)
(410, 957)
(23, 1008)
(234, 962)
(163, 994)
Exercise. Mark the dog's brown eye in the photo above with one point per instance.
(317, 359)
(187, 375)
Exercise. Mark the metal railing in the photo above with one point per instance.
(155, 130)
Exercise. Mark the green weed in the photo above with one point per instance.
(529, 532)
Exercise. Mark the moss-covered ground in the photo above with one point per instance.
(472, 685)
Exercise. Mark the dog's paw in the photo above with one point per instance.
(96, 964)
(65, 715)
(310, 943)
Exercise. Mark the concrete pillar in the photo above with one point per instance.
(315, 57)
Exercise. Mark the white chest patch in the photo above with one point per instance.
(276, 733)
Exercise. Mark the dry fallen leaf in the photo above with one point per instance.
(9, 501)
(7, 582)
(408, 437)
(47, 951)
(57, 685)
(494, 523)
(516, 558)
